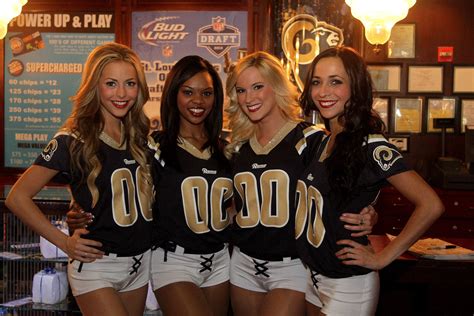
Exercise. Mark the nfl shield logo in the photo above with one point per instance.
(218, 24)
(218, 37)
(167, 51)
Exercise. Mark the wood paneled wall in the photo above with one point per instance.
(437, 23)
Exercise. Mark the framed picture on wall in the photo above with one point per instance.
(401, 142)
(402, 41)
(463, 79)
(407, 115)
(425, 79)
(467, 113)
(386, 78)
(440, 108)
(381, 106)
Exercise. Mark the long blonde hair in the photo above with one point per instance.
(286, 95)
(86, 121)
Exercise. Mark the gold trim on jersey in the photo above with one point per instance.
(111, 142)
(310, 130)
(155, 147)
(372, 138)
(103, 137)
(376, 138)
(190, 148)
(324, 154)
(68, 133)
(263, 150)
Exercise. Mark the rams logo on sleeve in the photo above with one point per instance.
(385, 156)
(49, 150)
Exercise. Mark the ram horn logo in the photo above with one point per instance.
(386, 156)
(49, 150)
(218, 37)
(303, 38)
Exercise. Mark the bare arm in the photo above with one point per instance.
(20, 202)
(428, 207)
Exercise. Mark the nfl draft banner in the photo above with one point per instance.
(161, 38)
(44, 58)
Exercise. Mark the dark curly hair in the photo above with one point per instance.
(358, 119)
(182, 71)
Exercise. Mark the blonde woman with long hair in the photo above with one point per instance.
(101, 153)
(270, 147)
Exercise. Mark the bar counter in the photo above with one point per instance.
(416, 286)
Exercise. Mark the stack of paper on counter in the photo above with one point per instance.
(434, 248)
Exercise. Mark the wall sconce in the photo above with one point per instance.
(10, 9)
(379, 16)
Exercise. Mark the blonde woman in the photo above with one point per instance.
(100, 152)
(270, 147)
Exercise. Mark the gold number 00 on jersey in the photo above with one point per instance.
(309, 200)
(274, 186)
(124, 210)
(195, 192)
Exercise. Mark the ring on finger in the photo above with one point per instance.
(361, 222)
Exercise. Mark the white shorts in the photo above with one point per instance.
(356, 295)
(263, 276)
(121, 273)
(203, 270)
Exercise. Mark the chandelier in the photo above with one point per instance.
(10, 9)
(379, 16)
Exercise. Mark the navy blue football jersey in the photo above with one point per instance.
(123, 214)
(265, 180)
(318, 226)
(192, 203)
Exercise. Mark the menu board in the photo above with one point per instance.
(44, 58)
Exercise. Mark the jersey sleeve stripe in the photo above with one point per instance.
(310, 130)
(307, 132)
(156, 148)
(376, 138)
(301, 145)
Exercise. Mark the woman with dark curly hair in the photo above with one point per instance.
(348, 171)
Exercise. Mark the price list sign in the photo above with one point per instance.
(44, 58)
